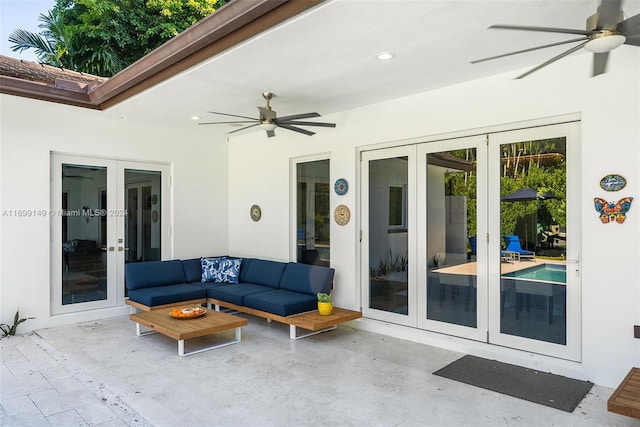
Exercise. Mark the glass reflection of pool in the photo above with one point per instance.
(555, 273)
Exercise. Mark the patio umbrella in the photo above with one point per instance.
(527, 195)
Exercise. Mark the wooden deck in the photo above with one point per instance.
(626, 399)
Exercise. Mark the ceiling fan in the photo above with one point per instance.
(605, 31)
(269, 121)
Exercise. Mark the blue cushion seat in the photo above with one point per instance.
(263, 272)
(207, 286)
(236, 293)
(192, 270)
(282, 302)
(153, 273)
(308, 279)
(167, 294)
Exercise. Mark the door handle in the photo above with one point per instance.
(120, 249)
(109, 249)
(575, 261)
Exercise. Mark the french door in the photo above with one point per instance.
(105, 213)
(477, 237)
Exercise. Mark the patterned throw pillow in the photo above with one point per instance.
(209, 268)
(228, 270)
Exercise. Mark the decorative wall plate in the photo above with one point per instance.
(256, 213)
(341, 215)
(341, 186)
(613, 182)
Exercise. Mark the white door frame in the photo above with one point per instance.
(479, 143)
(573, 348)
(410, 319)
(115, 214)
(489, 238)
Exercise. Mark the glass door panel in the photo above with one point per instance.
(143, 224)
(452, 242)
(535, 255)
(388, 236)
(83, 262)
(312, 213)
(84, 273)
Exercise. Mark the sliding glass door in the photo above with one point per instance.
(452, 281)
(388, 236)
(535, 254)
(477, 237)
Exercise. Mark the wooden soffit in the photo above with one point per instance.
(230, 25)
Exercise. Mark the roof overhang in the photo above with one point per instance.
(232, 24)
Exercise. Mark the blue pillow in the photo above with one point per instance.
(228, 270)
(209, 268)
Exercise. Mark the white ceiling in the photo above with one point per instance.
(325, 59)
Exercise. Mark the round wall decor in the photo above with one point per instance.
(255, 212)
(341, 215)
(341, 187)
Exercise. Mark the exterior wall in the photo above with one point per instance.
(609, 107)
(214, 219)
(31, 130)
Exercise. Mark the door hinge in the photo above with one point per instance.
(361, 235)
(486, 139)
(487, 336)
(487, 238)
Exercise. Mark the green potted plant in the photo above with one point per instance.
(325, 304)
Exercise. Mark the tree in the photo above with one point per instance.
(52, 46)
(103, 37)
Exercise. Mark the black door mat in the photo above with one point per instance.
(544, 388)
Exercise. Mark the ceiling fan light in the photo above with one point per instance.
(605, 44)
(267, 126)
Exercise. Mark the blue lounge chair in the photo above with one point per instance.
(512, 244)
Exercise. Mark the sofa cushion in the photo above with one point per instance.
(167, 294)
(244, 268)
(209, 285)
(282, 302)
(308, 279)
(235, 294)
(228, 270)
(150, 274)
(192, 270)
(209, 268)
(263, 272)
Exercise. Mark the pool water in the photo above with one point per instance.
(545, 273)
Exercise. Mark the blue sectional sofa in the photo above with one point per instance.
(270, 289)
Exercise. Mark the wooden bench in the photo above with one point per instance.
(311, 321)
(626, 399)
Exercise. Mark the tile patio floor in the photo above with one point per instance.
(101, 374)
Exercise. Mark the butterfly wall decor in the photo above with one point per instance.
(612, 211)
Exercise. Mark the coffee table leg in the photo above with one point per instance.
(140, 332)
(238, 338)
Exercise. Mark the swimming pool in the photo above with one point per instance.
(555, 273)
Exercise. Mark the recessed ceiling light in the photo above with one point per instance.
(195, 117)
(385, 56)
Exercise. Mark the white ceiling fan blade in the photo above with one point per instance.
(554, 59)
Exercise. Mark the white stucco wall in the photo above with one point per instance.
(215, 183)
(31, 130)
(609, 107)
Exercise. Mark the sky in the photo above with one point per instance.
(22, 14)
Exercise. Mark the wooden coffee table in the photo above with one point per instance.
(182, 329)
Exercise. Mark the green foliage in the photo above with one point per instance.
(8, 330)
(322, 297)
(530, 164)
(103, 37)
